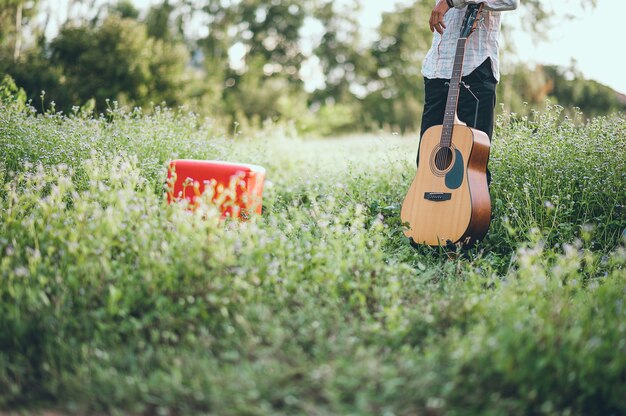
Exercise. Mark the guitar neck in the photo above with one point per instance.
(453, 94)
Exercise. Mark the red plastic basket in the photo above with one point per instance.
(237, 186)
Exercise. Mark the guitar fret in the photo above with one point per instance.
(453, 95)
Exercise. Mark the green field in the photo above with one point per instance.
(112, 301)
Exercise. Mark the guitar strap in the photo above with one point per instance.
(469, 89)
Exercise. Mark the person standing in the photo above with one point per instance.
(481, 67)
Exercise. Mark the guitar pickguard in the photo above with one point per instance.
(454, 177)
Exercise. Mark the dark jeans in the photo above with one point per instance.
(481, 82)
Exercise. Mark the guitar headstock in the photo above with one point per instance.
(471, 19)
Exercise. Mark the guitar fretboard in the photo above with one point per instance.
(453, 94)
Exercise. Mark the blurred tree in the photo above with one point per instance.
(571, 89)
(342, 57)
(522, 88)
(254, 46)
(270, 32)
(117, 60)
(395, 89)
(158, 21)
(14, 15)
(36, 74)
(83, 12)
(246, 63)
(124, 9)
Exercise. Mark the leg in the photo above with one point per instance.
(435, 98)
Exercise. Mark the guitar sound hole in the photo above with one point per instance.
(443, 158)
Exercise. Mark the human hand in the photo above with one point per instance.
(436, 17)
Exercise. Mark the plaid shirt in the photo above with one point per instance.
(482, 44)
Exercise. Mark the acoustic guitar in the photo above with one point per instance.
(448, 202)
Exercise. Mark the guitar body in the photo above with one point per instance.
(448, 201)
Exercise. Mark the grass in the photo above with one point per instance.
(114, 302)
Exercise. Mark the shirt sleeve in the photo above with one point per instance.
(495, 5)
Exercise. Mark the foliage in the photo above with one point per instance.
(523, 90)
(246, 62)
(570, 176)
(124, 9)
(10, 94)
(113, 301)
(132, 67)
(56, 139)
(9, 11)
(590, 96)
(396, 87)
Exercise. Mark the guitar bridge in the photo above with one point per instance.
(437, 196)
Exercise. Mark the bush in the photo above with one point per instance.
(11, 95)
(560, 176)
(113, 301)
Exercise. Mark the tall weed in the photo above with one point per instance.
(112, 300)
